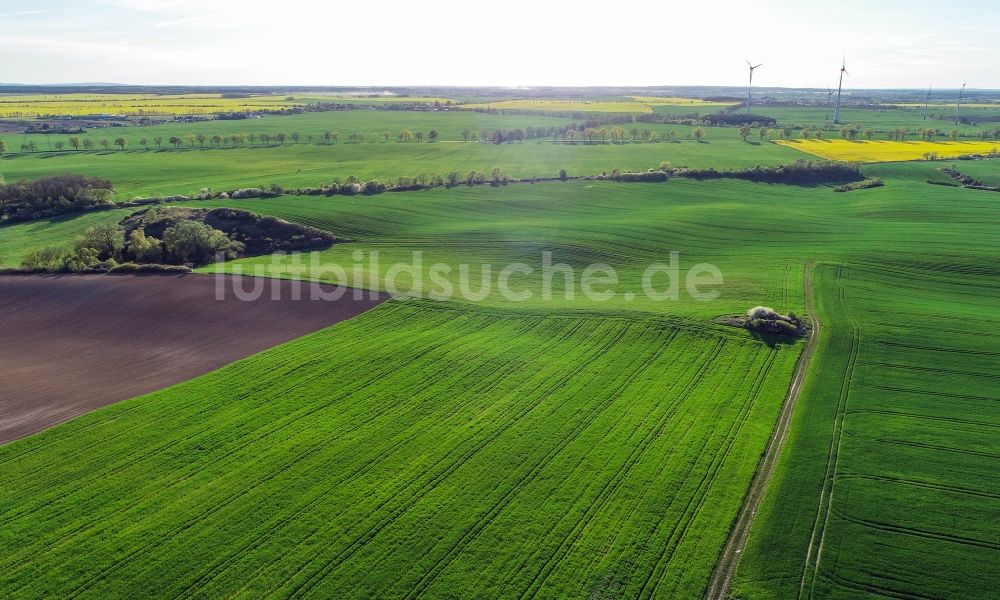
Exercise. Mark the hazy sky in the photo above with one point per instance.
(509, 42)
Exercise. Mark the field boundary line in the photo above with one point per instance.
(725, 568)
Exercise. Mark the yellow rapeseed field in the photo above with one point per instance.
(31, 106)
(886, 151)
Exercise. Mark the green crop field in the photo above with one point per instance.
(370, 123)
(572, 447)
(899, 434)
(419, 449)
(882, 120)
(187, 170)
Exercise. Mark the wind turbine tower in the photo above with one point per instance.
(840, 87)
(927, 101)
(750, 85)
(958, 107)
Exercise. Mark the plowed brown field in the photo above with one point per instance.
(70, 344)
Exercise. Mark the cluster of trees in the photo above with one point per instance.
(767, 320)
(739, 118)
(50, 196)
(104, 246)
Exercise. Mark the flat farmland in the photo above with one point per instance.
(405, 460)
(730, 224)
(74, 343)
(417, 449)
(370, 123)
(189, 169)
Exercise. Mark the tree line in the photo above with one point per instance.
(50, 196)
(587, 132)
(854, 131)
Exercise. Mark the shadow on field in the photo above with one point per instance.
(773, 340)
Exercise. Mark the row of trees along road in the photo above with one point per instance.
(571, 133)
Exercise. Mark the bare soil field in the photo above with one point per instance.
(73, 343)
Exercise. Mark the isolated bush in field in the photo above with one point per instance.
(786, 327)
(763, 312)
(768, 320)
(562, 174)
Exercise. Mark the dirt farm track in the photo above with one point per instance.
(70, 344)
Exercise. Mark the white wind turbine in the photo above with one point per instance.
(958, 107)
(750, 85)
(840, 87)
